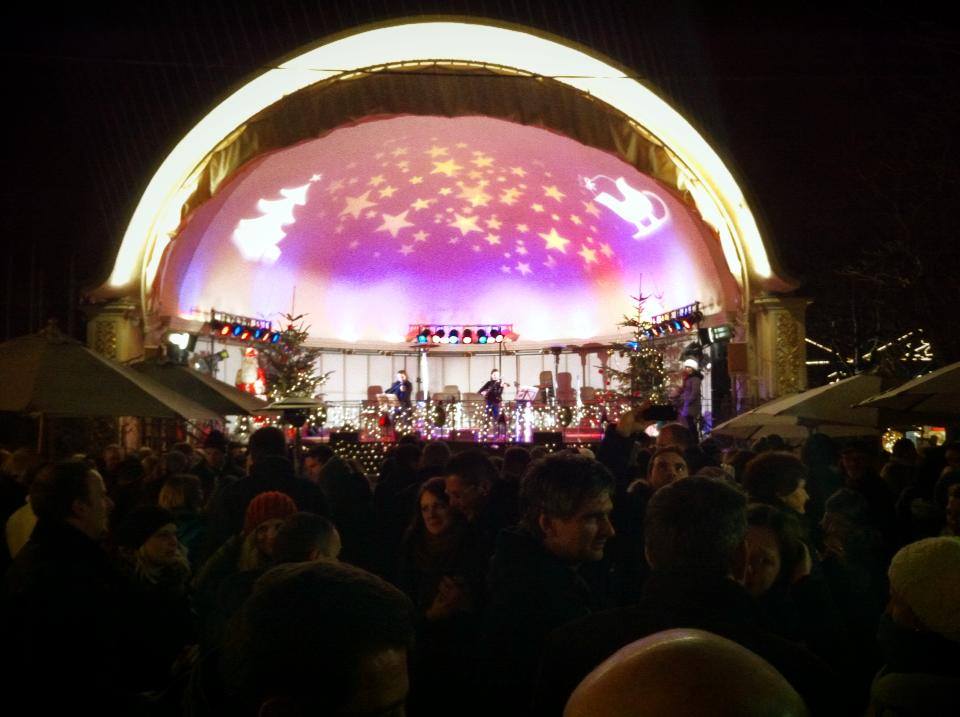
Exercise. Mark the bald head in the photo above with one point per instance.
(689, 672)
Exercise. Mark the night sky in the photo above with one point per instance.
(841, 127)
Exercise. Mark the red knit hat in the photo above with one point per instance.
(272, 505)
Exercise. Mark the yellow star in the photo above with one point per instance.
(482, 161)
(509, 196)
(398, 151)
(606, 250)
(475, 194)
(393, 223)
(555, 241)
(524, 268)
(474, 174)
(493, 223)
(436, 151)
(387, 191)
(355, 205)
(575, 219)
(461, 145)
(492, 239)
(370, 214)
(523, 228)
(592, 208)
(537, 207)
(448, 168)
(406, 249)
(519, 171)
(335, 185)
(553, 192)
(421, 204)
(376, 181)
(416, 180)
(589, 255)
(445, 191)
(465, 224)
(420, 236)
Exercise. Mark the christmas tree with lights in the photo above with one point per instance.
(290, 365)
(643, 378)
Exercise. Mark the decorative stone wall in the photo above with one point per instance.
(778, 352)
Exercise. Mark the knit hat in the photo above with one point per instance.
(691, 363)
(140, 524)
(926, 576)
(272, 505)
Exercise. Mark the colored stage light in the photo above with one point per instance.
(467, 336)
(258, 334)
(424, 336)
(237, 329)
(481, 336)
(454, 336)
(496, 336)
(440, 336)
(245, 334)
(677, 325)
(275, 337)
(225, 329)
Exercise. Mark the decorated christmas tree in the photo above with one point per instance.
(290, 366)
(643, 378)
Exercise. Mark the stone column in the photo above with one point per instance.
(778, 357)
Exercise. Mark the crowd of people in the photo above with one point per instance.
(646, 576)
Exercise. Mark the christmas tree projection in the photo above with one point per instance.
(643, 378)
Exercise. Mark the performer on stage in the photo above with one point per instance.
(492, 391)
(689, 405)
(401, 388)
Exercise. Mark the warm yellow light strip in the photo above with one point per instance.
(158, 213)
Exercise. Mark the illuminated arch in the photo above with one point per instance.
(702, 174)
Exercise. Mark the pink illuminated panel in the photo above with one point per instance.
(430, 219)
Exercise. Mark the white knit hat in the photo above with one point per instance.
(926, 576)
(691, 363)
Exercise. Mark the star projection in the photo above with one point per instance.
(413, 219)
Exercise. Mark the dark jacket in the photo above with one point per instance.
(717, 605)
(66, 625)
(269, 473)
(351, 509)
(530, 593)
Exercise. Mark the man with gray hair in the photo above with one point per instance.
(695, 535)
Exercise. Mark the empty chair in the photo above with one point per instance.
(372, 392)
(453, 390)
(566, 395)
(588, 394)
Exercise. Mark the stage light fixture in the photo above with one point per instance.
(245, 334)
(258, 333)
(454, 337)
(440, 336)
(237, 329)
(225, 329)
(424, 336)
(481, 336)
(467, 336)
(677, 324)
(275, 337)
(496, 336)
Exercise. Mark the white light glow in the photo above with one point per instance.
(257, 239)
(718, 197)
(644, 209)
(180, 340)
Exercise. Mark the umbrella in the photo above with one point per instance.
(751, 425)
(217, 396)
(828, 409)
(932, 397)
(51, 374)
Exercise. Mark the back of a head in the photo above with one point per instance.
(515, 461)
(321, 453)
(304, 633)
(435, 454)
(685, 672)
(695, 526)
(53, 492)
(772, 475)
(303, 534)
(181, 491)
(819, 450)
(675, 434)
(267, 441)
(925, 576)
(473, 466)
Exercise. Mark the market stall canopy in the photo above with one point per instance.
(54, 375)
(827, 409)
(752, 425)
(932, 397)
(217, 396)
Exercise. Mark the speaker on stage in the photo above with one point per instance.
(543, 438)
(344, 436)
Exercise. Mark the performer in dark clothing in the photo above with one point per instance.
(401, 388)
(492, 391)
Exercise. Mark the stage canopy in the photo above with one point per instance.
(370, 185)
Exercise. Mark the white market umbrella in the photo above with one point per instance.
(932, 397)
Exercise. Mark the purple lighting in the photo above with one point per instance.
(396, 221)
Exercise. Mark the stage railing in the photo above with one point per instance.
(469, 420)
